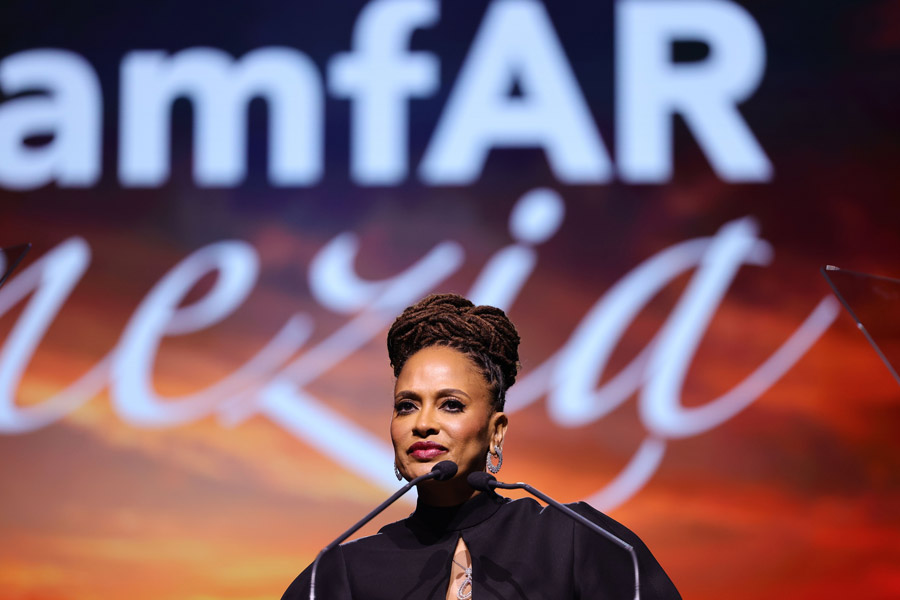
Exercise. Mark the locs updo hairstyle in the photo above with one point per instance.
(483, 333)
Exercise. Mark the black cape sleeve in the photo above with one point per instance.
(332, 582)
(592, 554)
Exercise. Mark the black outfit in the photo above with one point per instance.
(519, 549)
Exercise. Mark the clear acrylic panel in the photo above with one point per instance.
(874, 303)
(10, 259)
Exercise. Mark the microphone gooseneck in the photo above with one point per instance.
(442, 471)
(485, 482)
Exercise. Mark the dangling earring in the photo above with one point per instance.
(397, 473)
(490, 466)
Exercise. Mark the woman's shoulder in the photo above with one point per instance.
(531, 516)
(604, 520)
(373, 541)
(528, 506)
(565, 522)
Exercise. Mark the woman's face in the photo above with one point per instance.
(442, 411)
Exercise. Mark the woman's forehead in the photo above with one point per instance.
(437, 367)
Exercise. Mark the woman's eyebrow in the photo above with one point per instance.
(406, 394)
(452, 392)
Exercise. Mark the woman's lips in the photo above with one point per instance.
(425, 450)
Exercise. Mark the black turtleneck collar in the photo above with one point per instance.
(430, 524)
(456, 518)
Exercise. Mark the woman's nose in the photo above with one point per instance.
(426, 423)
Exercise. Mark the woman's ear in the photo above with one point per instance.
(498, 426)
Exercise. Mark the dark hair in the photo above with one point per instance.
(483, 333)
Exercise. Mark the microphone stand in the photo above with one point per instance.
(491, 482)
(441, 471)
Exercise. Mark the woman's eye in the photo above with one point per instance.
(453, 405)
(404, 407)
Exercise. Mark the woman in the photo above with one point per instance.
(454, 362)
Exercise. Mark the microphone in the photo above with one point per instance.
(485, 482)
(442, 471)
